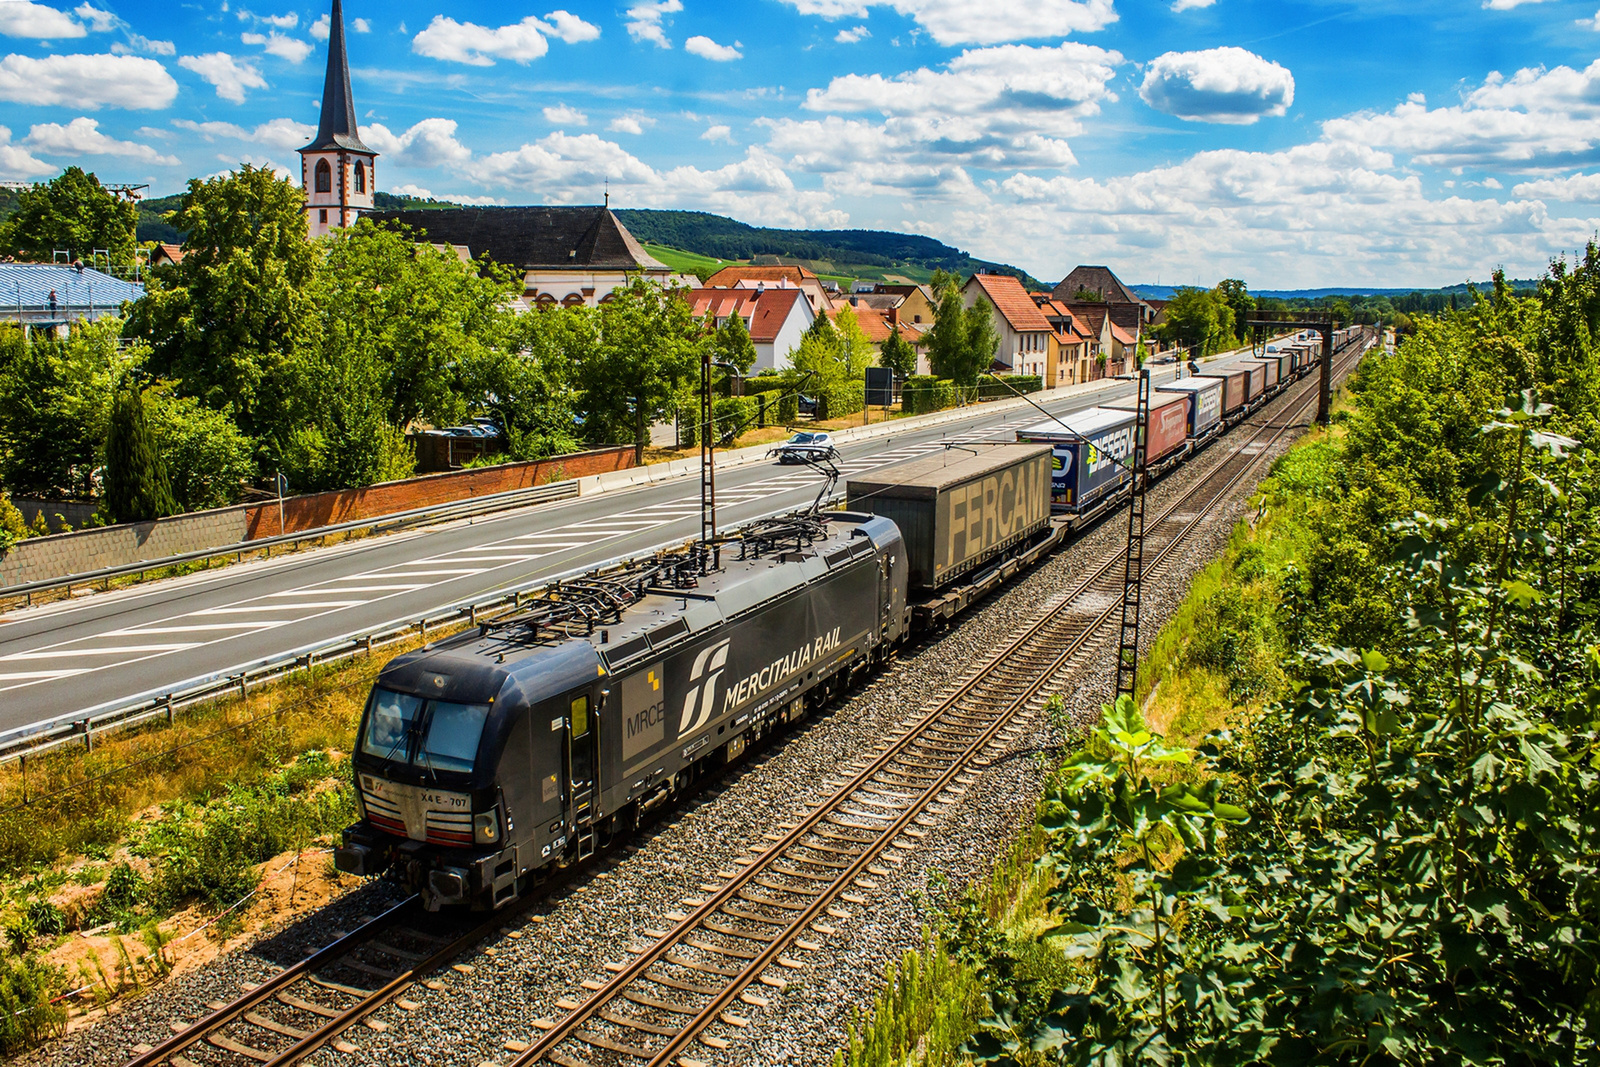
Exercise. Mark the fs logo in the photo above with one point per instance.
(697, 703)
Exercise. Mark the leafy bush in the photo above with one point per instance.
(924, 393)
(841, 398)
(28, 985)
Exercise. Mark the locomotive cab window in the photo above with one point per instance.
(435, 735)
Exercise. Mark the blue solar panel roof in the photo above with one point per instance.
(30, 284)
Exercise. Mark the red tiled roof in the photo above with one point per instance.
(875, 325)
(764, 310)
(1013, 302)
(729, 277)
(1118, 333)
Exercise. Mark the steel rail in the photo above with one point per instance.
(937, 719)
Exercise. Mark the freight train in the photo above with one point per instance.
(484, 761)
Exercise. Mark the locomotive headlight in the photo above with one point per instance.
(486, 827)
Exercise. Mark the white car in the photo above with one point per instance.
(806, 447)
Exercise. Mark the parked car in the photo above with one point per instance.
(806, 447)
(807, 405)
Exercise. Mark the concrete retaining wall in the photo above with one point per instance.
(41, 558)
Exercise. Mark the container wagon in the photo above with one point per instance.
(1090, 456)
(1205, 403)
(1235, 385)
(1168, 434)
(1269, 371)
(969, 521)
(1256, 381)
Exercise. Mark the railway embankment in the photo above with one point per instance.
(1361, 760)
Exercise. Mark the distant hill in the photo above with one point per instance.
(866, 254)
(1165, 292)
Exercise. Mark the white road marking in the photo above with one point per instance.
(39, 675)
(209, 627)
(104, 650)
(246, 609)
(404, 571)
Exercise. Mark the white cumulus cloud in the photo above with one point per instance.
(479, 46)
(276, 44)
(718, 133)
(82, 137)
(429, 143)
(706, 48)
(17, 164)
(1575, 189)
(953, 22)
(851, 36)
(562, 115)
(1186, 5)
(281, 134)
(87, 82)
(321, 29)
(229, 76)
(23, 18)
(633, 122)
(645, 18)
(99, 21)
(360, 26)
(1226, 85)
(1507, 5)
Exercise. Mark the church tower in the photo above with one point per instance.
(336, 168)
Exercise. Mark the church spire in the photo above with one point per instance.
(337, 125)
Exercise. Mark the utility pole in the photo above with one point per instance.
(1133, 559)
(708, 471)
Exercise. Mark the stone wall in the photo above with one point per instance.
(42, 558)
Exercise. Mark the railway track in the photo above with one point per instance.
(666, 999)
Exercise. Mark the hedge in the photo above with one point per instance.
(923, 393)
(778, 389)
(840, 399)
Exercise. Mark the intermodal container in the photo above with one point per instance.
(1091, 450)
(1205, 401)
(957, 510)
(1257, 380)
(1169, 423)
(1269, 371)
(1235, 386)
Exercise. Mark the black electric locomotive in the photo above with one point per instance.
(486, 759)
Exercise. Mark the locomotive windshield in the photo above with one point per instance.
(434, 735)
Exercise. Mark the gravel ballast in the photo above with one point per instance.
(494, 996)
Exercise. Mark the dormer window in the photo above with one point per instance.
(361, 177)
(324, 179)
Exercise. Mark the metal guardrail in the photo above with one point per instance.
(513, 498)
(82, 727)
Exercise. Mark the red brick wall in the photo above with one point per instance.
(346, 505)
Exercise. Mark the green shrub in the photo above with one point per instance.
(924, 393)
(838, 399)
(28, 985)
(733, 415)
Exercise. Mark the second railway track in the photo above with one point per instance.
(660, 1006)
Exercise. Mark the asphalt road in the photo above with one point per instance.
(62, 660)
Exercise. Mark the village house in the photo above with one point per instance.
(1074, 359)
(911, 303)
(1086, 285)
(1027, 341)
(777, 318)
(876, 326)
(567, 255)
(744, 276)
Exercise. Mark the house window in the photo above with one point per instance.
(324, 177)
(361, 178)
(322, 215)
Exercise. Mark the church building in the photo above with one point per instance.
(336, 168)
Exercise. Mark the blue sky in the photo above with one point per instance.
(1303, 143)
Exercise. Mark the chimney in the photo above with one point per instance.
(894, 316)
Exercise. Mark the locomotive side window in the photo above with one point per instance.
(451, 743)
(580, 717)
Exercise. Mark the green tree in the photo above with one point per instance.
(417, 312)
(527, 383)
(1232, 292)
(225, 322)
(898, 354)
(644, 364)
(136, 480)
(72, 212)
(733, 344)
(55, 404)
(1193, 321)
(207, 457)
(962, 341)
(855, 350)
